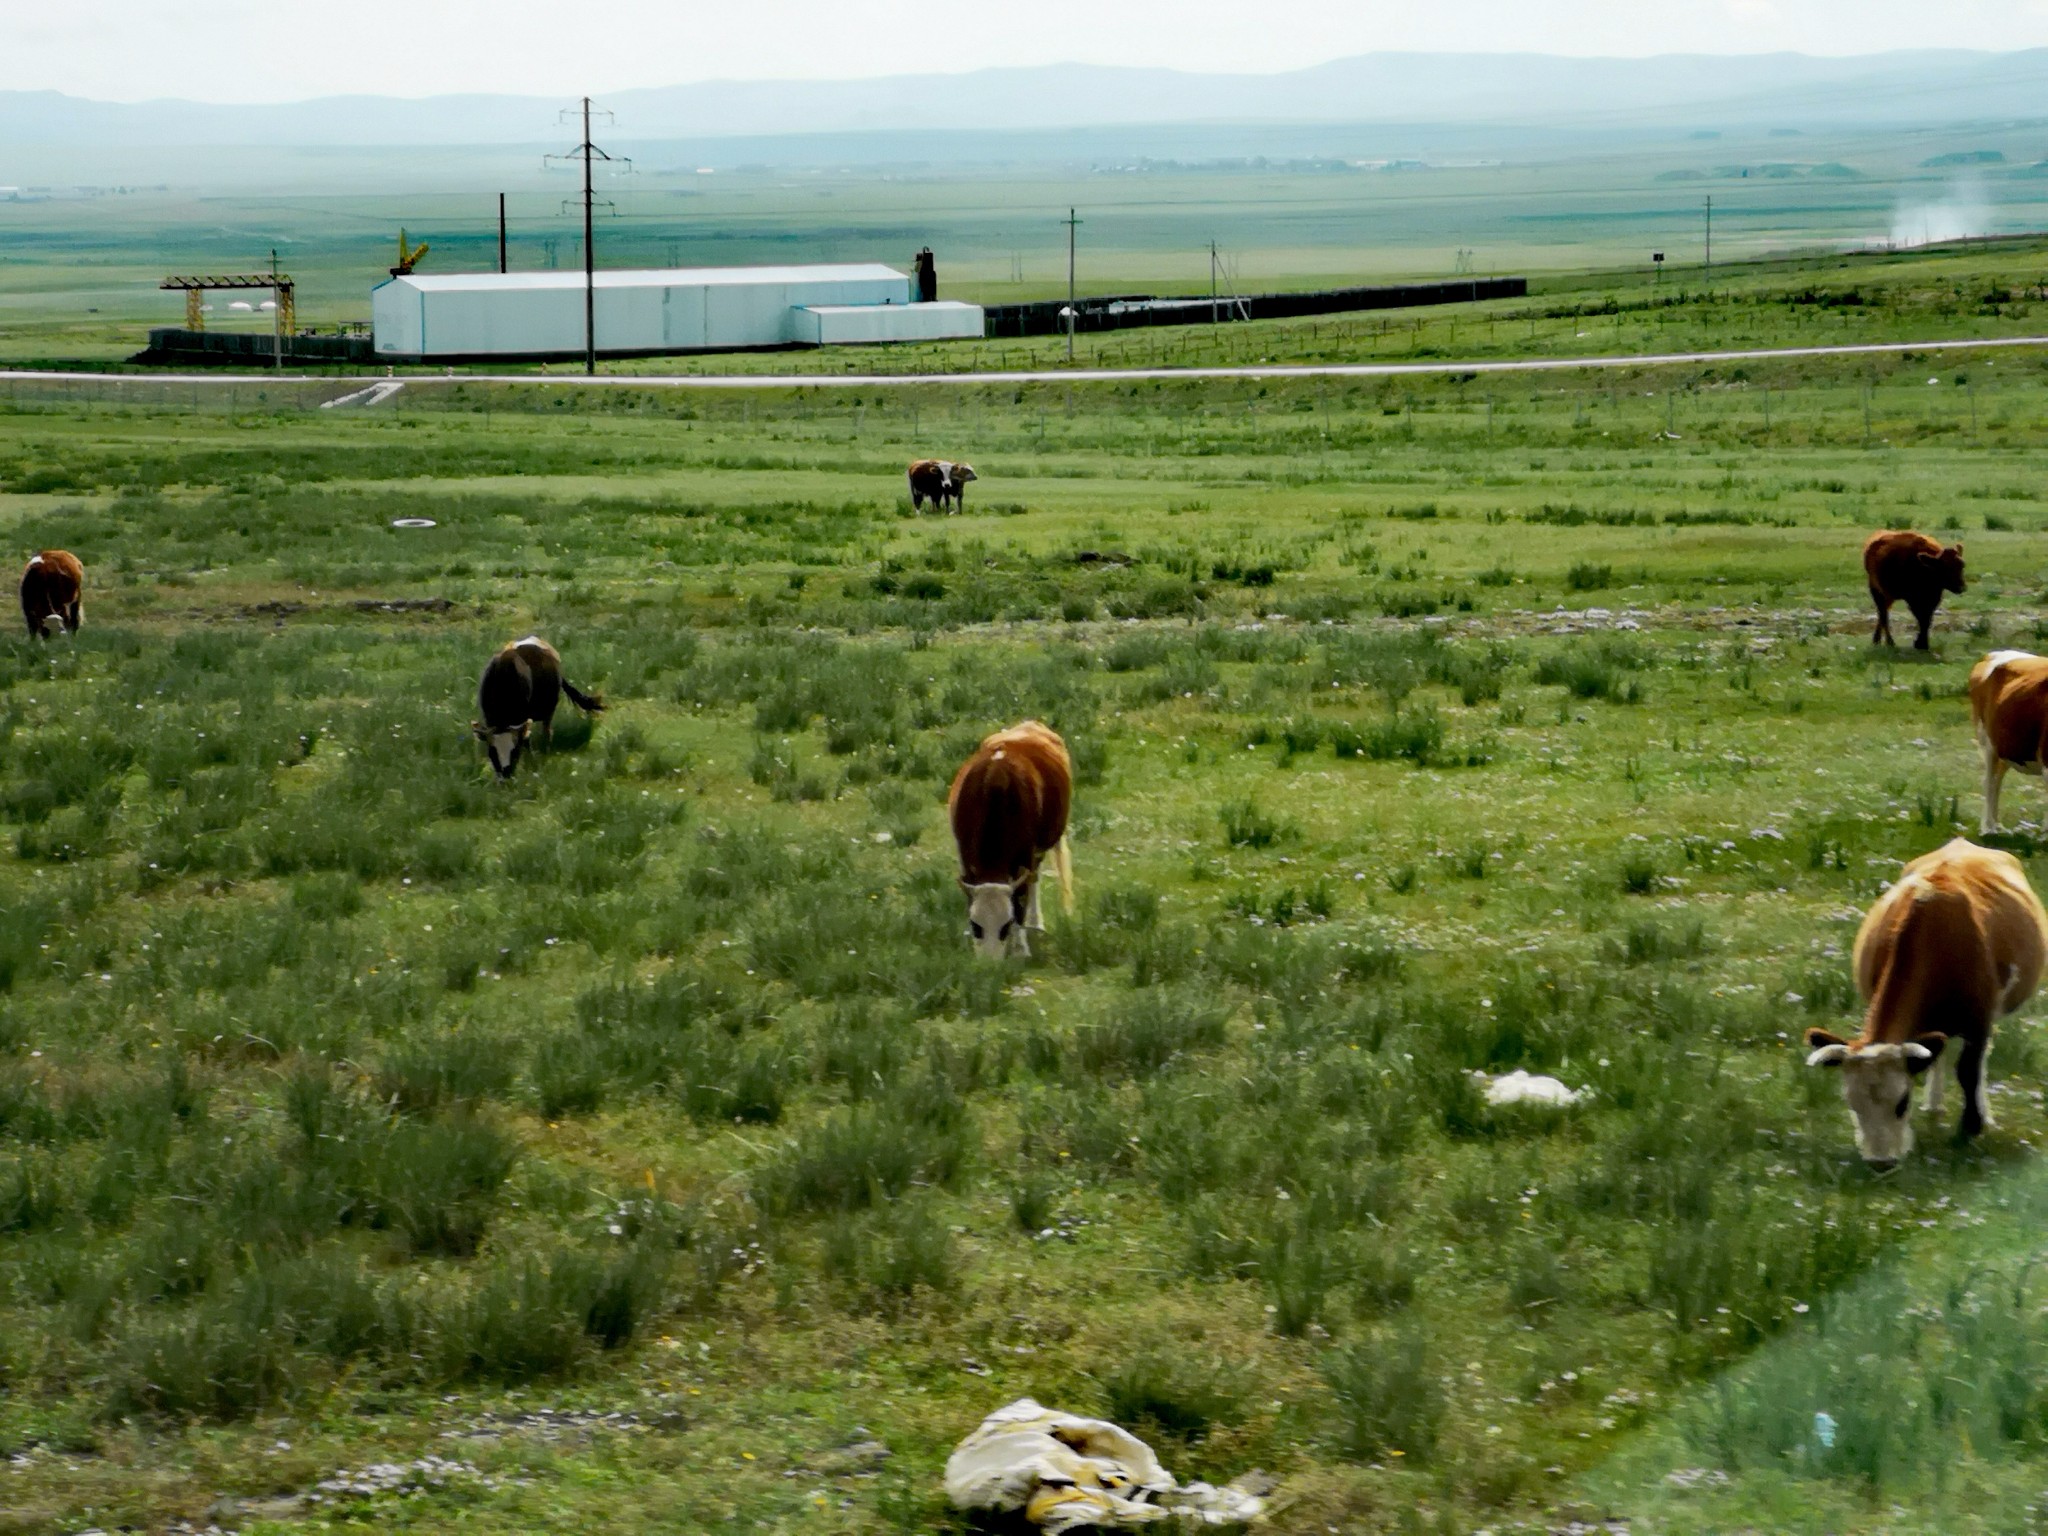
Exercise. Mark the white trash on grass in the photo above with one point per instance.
(1519, 1087)
(1067, 1473)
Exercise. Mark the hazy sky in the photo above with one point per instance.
(282, 50)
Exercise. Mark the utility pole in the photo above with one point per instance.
(587, 152)
(1212, 282)
(1073, 315)
(1710, 242)
(276, 316)
(501, 232)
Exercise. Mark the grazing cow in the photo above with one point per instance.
(1958, 943)
(938, 481)
(521, 685)
(1009, 807)
(2009, 712)
(1913, 569)
(50, 587)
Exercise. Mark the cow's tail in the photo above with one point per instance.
(589, 703)
(1063, 866)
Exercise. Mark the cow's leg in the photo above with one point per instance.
(1925, 618)
(1032, 917)
(1882, 632)
(1994, 777)
(72, 615)
(1936, 1076)
(1970, 1083)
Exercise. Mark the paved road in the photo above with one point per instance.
(1060, 375)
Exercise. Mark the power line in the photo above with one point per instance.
(587, 152)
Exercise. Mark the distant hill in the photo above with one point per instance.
(1781, 91)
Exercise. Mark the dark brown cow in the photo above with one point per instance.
(2009, 714)
(521, 685)
(1956, 944)
(938, 481)
(1009, 807)
(51, 586)
(1913, 569)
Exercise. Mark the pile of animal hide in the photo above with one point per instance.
(1067, 1473)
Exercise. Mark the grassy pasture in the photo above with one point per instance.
(355, 1110)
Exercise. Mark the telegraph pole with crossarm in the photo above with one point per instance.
(587, 152)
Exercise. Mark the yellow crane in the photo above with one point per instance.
(408, 256)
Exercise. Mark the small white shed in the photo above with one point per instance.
(691, 309)
(822, 325)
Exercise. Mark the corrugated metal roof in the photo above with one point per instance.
(673, 277)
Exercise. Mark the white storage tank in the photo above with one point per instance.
(484, 315)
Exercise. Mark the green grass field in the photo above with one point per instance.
(642, 1139)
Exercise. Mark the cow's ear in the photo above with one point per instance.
(1923, 1051)
(1956, 549)
(965, 883)
(1826, 1050)
(479, 730)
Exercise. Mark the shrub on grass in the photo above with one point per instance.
(1647, 941)
(893, 1251)
(1596, 669)
(1160, 1392)
(31, 1195)
(465, 1065)
(433, 1183)
(1584, 576)
(568, 1073)
(1301, 1260)
(1388, 1395)
(1148, 1029)
(1639, 872)
(1245, 825)
(855, 1156)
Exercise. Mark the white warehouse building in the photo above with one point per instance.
(475, 315)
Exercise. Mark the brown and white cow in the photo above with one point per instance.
(1009, 807)
(2009, 713)
(51, 586)
(1955, 945)
(521, 685)
(939, 481)
(1913, 569)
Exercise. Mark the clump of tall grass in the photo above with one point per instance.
(1160, 1392)
(1389, 1398)
(1596, 669)
(1148, 1029)
(1246, 825)
(923, 1133)
(900, 1247)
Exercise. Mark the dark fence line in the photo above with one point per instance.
(175, 344)
(1129, 311)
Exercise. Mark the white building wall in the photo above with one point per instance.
(825, 325)
(490, 314)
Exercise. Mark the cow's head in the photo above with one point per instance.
(1946, 568)
(963, 473)
(995, 916)
(502, 747)
(1877, 1080)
